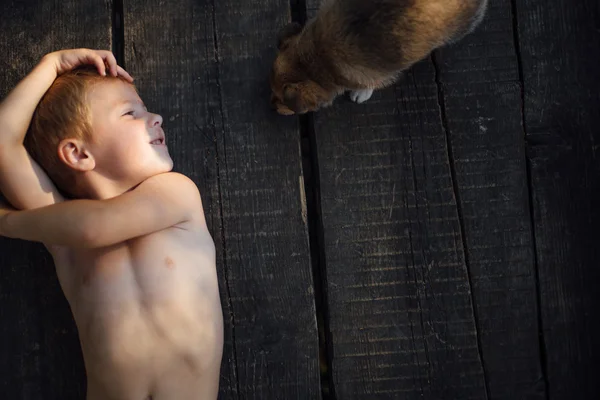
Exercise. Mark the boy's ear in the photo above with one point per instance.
(76, 155)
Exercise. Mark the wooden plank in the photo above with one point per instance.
(559, 45)
(400, 315)
(209, 80)
(482, 100)
(401, 318)
(41, 357)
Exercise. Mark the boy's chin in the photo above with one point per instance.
(164, 163)
(168, 167)
(160, 167)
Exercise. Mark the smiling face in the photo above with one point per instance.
(128, 142)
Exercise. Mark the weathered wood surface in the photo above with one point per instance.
(481, 98)
(559, 42)
(401, 318)
(40, 356)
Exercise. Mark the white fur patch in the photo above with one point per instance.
(360, 96)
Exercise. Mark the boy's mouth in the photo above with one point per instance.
(158, 142)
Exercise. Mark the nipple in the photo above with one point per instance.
(169, 263)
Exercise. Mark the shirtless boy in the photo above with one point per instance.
(128, 236)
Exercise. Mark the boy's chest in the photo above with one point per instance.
(152, 266)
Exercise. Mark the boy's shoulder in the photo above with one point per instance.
(170, 179)
(174, 186)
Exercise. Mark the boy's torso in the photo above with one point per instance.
(148, 313)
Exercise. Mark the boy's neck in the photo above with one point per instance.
(98, 187)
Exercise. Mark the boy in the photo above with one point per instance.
(132, 251)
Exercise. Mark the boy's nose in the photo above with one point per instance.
(156, 120)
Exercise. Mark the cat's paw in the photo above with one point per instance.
(360, 96)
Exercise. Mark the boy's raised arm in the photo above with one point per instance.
(158, 203)
(24, 184)
(22, 181)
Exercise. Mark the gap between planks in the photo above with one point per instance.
(315, 231)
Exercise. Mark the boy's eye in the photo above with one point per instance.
(129, 113)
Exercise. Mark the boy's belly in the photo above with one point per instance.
(127, 351)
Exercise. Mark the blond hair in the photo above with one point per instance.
(63, 113)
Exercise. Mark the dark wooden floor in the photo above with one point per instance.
(438, 242)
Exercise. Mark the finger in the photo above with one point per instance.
(110, 59)
(98, 61)
(124, 74)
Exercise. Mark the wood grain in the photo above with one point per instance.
(401, 318)
(481, 97)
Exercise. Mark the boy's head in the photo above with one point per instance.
(90, 124)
